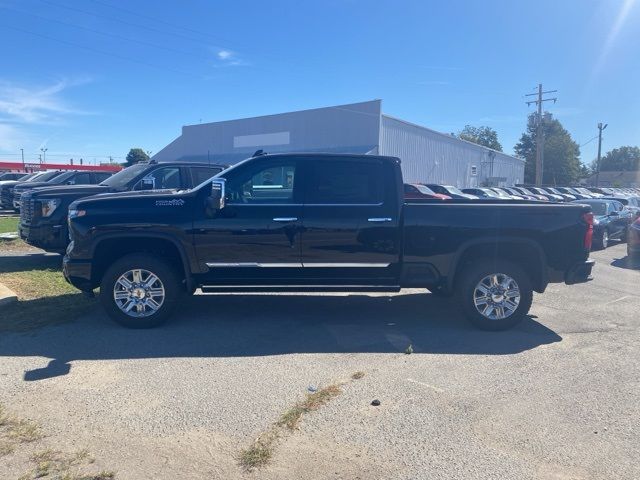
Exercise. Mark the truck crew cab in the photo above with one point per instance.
(43, 216)
(320, 222)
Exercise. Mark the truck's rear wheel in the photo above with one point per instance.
(139, 291)
(495, 295)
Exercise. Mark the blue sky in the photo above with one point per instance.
(93, 78)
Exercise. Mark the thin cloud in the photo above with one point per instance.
(229, 58)
(37, 105)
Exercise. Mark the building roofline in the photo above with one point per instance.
(450, 137)
(336, 107)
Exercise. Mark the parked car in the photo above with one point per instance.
(586, 191)
(6, 189)
(528, 193)
(330, 223)
(565, 196)
(504, 195)
(611, 220)
(631, 203)
(574, 192)
(555, 197)
(515, 194)
(416, 191)
(11, 176)
(451, 191)
(482, 193)
(633, 240)
(602, 190)
(69, 177)
(43, 218)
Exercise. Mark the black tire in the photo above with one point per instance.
(601, 242)
(469, 280)
(167, 277)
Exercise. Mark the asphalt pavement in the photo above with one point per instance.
(557, 397)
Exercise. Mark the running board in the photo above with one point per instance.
(298, 288)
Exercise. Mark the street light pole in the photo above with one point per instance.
(22, 153)
(44, 154)
(600, 129)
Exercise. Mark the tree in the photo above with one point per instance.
(136, 155)
(561, 154)
(626, 159)
(485, 136)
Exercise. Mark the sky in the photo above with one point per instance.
(93, 78)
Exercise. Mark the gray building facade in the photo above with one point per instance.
(426, 155)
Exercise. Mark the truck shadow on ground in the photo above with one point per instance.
(256, 325)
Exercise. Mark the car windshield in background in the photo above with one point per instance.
(424, 190)
(455, 190)
(598, 208)
(125, 176)
(45, 177)
(63, 177)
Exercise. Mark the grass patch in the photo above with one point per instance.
(44, 297)
(292, 417)
(9, 224)
(262, 450)
(15, 430)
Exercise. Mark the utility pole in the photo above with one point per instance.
(22, 153)
(600, 129)
(539, 129)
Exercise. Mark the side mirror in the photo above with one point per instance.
(215, 201)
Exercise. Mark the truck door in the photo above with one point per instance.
(257, 234)
(351, 225)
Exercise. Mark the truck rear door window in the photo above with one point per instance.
(345, 182)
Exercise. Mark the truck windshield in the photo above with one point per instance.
(44, 177)
(123, 177)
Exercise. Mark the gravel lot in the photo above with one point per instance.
(556, 398)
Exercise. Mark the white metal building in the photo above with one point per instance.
(427, 156)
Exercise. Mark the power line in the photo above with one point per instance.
(108, 34)
(539, 129)
(101, 52)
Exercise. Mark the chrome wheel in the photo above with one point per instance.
(496, 296)
(138, 293)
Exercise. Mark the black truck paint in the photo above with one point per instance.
(51, 232)
(320, 222)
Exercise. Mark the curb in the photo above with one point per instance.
(7, 296)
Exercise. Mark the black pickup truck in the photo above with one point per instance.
(320, 222)
(43, 212)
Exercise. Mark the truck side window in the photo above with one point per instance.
(348, 182)
(200, 174)
(160, 178)
(271, 183)
(83, 178)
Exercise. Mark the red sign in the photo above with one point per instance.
(57, 166)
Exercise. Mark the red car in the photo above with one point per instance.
(415, 191)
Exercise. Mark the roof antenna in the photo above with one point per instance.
(259, 152)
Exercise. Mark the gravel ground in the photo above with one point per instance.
(558, 397)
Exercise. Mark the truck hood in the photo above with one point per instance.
(30, 185)
(84, 190)
(103, 198)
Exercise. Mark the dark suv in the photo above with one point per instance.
(7, 188)
(43, 216)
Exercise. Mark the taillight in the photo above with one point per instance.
(588, 236)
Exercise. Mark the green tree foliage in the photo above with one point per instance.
(485, 136)
(136, 155)
(561, 154)
(626, 159)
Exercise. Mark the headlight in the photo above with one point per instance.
(48, 206)
(73, 213)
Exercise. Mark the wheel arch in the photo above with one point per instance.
(114, 246)
(524, 252)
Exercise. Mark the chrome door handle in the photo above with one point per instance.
(285, 219)
(380, 219)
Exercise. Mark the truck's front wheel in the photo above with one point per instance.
(495, 295)
(139, 291)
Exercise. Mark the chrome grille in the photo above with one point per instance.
(26, 209)
(5, 197)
